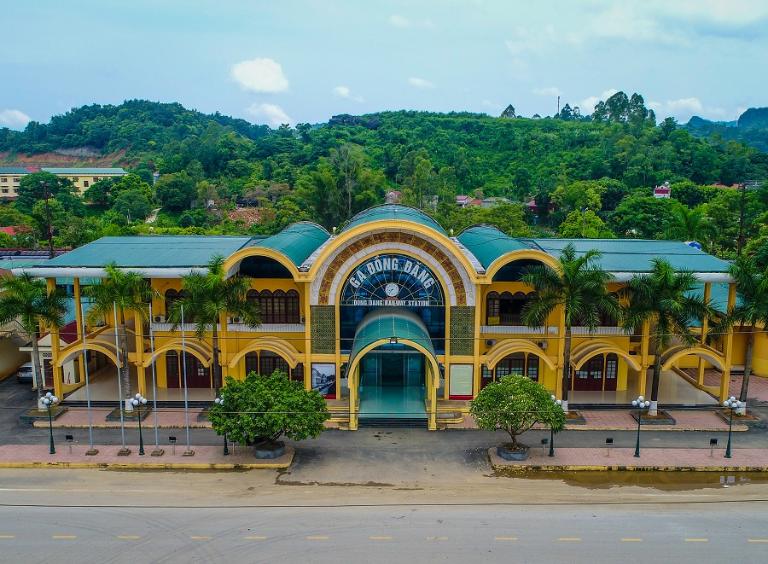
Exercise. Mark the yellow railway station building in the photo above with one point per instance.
(390, 317)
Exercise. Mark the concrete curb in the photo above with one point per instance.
(509, 468)
(277, 464)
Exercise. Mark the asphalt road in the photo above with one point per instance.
(386, 534)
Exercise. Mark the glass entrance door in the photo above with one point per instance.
(392, 385)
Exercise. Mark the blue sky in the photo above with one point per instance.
(306, 60)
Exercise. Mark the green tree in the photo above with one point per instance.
(99, 193)
(643, 217)
(261, 409)
(27, 300)
(34, 187)
(579, 195)
(666, 299)
(515, 404)
(751, 312)
(578, 286)
(123, 293)
(584, 225)
(132, 203)
(689, 224)
(207, 298)
(176, 191)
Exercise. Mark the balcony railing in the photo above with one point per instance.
(237, 327)
(600, 331)
(517, 330)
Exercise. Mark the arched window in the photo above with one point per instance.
(492, 309)
(293, 307)
(269, 362)
(266, 305)
(297, 374)
(279, 307)
(251, 363)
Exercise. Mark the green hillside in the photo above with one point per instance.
(579, 176)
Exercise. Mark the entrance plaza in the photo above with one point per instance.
(390, 317)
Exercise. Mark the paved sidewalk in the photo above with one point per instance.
(622, 420)
(205, 458)
(663, 459)
(77, 418)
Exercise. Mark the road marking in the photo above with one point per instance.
(629, 539)
(7, 537)
(696, 540)
(255, 537)
(199, 538)
(506, 539)
(569, 539)
(379, 538)
(128, 537)
(64, 537)
(437, 538)
(757, 540)
(317, 537)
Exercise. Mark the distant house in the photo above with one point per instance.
(82, 178)
(10, 230)
(663, 191)
(463, 201)
(493, 201)
(393, 197)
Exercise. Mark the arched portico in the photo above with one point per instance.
(584, 352)
(273, 344)
(74, 352)
(199, 350)
(673, 354)
(506, 347)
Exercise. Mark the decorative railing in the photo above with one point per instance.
(516, 330)
(237, 327)
(600, 331)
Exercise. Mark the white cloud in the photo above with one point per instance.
(260, 75)
(400, 21)
(587, 105)
(685, 105)
(344, 92)
(15, 119)
(683, 108)
(271, 113)
(422, 83)
(547, 91)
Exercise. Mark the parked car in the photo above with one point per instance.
(24, 373)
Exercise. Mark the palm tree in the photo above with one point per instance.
(579, 287)
(206, 297)
(689, 224)
(27, 299)
(128, 293)
(751, 311)
(665, 298)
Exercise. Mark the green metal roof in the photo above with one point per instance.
(85, 170)
(393, 212)
(297, 241)
(488, 243)
(635, 255)
(21, 262)
(159, 251)
(13, 170)
(385, 324)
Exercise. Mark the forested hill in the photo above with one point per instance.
(751, 128)
(569, 175)
(138, 125)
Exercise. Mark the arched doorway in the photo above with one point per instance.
(517, 364)
(392, 383)
(598, 374)
(198, 375)
(265, 362)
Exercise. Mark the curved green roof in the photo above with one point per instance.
(394, 212)
(297, 241)
(385, 324)
(488, 243)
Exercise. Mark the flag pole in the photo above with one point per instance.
(123, 451)
(189, 451)
(158, 451)
(91, 450)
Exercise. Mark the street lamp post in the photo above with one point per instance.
(49, 401)
(138, 402)
(733, 404)
(220, 401)
(640, 403)
(559, 403)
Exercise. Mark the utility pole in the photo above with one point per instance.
(47, 195)
(558, 105)
(740, 240)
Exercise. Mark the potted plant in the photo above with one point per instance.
(515, 404)
(259, 410)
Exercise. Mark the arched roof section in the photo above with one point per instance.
(273, 344)
(506, 347)
(673, 354)
(393, 212)
(290, 247)
(103, 348)
(494, 249)
(589, 349)
(196, 348)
